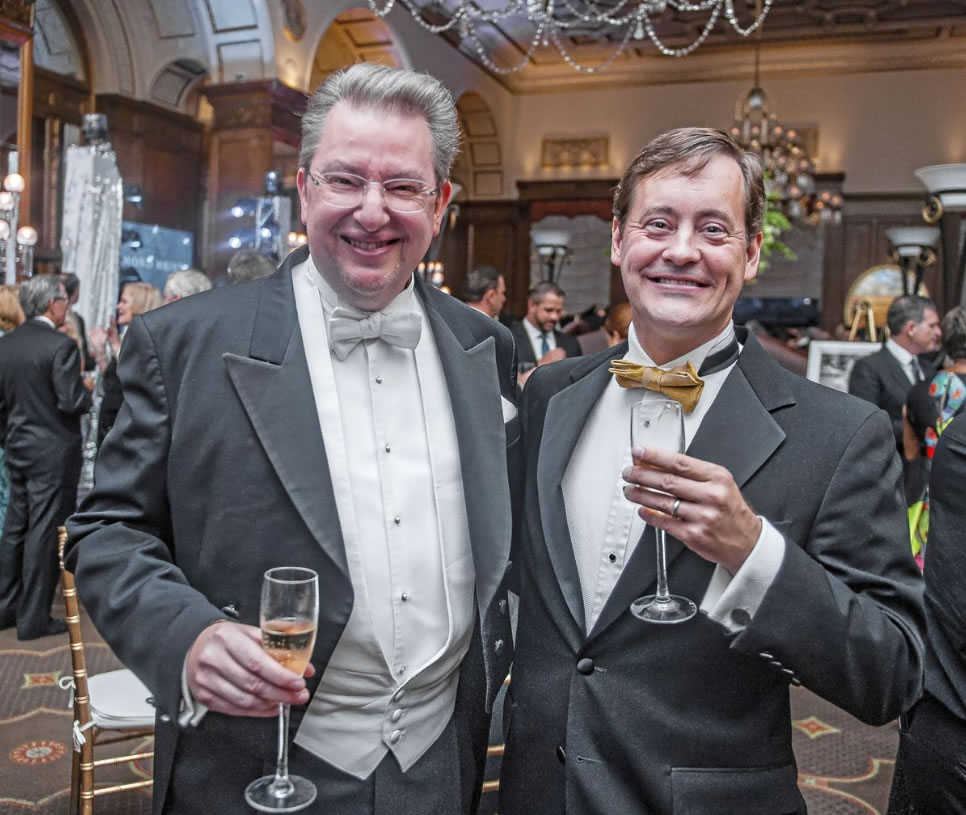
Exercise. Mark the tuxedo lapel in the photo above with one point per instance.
(472, 380)
(274, 386)
(567, 413)
(894, 376)
(737, 433)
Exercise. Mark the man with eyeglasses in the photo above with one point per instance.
(42, 398)
(365, 429)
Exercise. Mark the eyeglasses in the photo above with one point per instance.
(345, 191)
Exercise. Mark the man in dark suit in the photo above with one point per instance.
(538, 341)
(795, 549)
(41, 401)
(885, 377)
(932, 746)
(337, 415)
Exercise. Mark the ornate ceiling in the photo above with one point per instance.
(798, 36)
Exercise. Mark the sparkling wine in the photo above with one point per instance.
(289, 641)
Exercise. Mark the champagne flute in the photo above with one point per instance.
(289, 614)
(659, 423)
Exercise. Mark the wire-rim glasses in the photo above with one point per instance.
(347, 190)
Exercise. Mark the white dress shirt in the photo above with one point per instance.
(536, 338)
(605, 527)
(392, 451)
(904, 358)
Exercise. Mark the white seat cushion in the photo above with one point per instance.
(119, 701)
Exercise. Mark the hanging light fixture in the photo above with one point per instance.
(789, 169)
(550, 21)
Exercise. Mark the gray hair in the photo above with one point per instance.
(907, 308)
(478, 282)
(543, 288)
(954, 332)
(693, 148)
(249, 264)
(409, 93)
(37, 292)
(185, 282)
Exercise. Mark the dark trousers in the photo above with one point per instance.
(932, 755)
(434, 785)
(39, 503)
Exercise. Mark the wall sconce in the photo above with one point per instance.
(432, 272)
(17, 242)
(553, 251)
(947, 193)
(913, 246)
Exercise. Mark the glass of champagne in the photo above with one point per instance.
(289, 614)
(659, 423)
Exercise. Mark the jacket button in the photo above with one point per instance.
(561, 755)
(230, 610)
(585, 666)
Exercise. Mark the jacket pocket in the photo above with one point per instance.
(748, 790)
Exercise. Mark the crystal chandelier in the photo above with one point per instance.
(789, 169)
(550, 21)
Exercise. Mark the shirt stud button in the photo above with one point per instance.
(388, 449)
(404, 596)
(612, 557)
(378, 380)
(397, 520)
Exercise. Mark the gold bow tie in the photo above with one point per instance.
(680, 383)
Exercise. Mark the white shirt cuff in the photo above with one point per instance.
(732, 600)
(192, 712)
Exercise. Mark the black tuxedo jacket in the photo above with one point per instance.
(41, 398)
(643, 719)
(525, 348)
(216, 471)
(878, 378)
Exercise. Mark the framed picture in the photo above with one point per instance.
(830, 361)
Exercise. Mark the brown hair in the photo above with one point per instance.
(689, 150)
(618, 320)
(11, 315)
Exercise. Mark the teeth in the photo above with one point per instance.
(367, 245)
(677, 282)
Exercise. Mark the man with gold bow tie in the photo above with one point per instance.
(338, 415)
(784, 519)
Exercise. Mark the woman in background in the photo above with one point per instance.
(136, 298)
(11, 315)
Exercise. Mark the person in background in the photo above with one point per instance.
(41, 402)
(885, 377)
(136, 298)
(617, 323)
(249, 264)
(74, 324)
(930, 406)
(932, 742)
(11, 315)
(537, 338)
(184, 283)
(485, 290)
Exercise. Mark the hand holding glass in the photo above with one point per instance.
(659, 423)
(289, 615)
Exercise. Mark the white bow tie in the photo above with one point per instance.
(348, 327)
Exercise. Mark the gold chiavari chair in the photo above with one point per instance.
(113, 703)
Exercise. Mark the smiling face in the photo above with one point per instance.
(367, 253)
(684, 255)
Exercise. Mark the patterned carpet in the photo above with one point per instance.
(845, 767)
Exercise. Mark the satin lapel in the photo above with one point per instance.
(472, 380)
(737, 433)
(567, 413)
(276, 391)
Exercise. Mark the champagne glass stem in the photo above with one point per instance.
(281, 786)
(662, 595)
